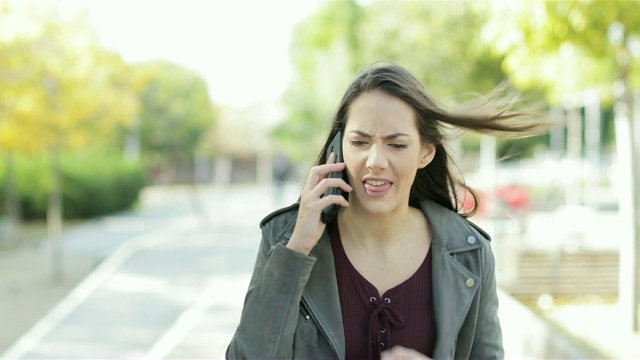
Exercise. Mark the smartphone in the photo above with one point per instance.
(335, 146)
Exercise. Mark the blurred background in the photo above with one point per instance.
(141, 142)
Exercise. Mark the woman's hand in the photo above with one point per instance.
(309, 227)
(402, 353)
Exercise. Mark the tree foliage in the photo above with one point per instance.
(564, 46)
(324, 54)
(57, 91)
(441, 42)
(176, 112)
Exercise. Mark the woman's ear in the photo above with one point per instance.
(426, 155)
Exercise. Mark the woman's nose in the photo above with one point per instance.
(376, 159)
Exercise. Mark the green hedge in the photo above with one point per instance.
(94, 184)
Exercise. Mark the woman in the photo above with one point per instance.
(398, 273)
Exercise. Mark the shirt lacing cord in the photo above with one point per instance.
(383, 315)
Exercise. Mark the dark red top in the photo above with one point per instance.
(402, 316)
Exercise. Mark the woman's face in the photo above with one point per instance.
(382, 151)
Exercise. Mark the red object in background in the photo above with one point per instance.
(512, 199)
(468, 202)
(515, 197)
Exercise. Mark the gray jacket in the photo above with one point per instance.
(292, 309)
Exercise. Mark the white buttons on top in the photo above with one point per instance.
(471, 240)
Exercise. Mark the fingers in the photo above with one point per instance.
(402, 353)
(313, 200)
(327, 183)
(319, 182)
(320, 172)
(332, 158)
(331, 200)
(316, 193)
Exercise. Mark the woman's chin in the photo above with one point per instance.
(374, 205)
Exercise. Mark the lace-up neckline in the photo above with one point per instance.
(403, 315)
(383, 317)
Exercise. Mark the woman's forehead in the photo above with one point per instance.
(380, 100)
(380, 114)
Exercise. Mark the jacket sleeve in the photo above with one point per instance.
(272, 304)
(487, 343)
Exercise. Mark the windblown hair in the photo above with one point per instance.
(492, 113)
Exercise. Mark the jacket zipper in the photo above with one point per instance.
(305, 306)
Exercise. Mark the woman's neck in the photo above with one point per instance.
(377, 231)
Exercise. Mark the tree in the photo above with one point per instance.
(567, 40)
(15, 100)
(324, 53)
(176, 112)
(119, 105)
(450, 60)
(56, 98)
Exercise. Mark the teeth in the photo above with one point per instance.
(375, 182)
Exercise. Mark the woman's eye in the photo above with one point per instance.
(358, 142)
(398, 146)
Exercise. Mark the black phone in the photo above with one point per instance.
(335, 146)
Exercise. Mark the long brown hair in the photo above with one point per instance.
(492, 113)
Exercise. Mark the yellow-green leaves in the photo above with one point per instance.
(59, 89)
(564, 46)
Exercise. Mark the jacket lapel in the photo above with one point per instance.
(454, 286)
(321, 294)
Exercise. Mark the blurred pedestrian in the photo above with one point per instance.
(280, 175)
(399, 272)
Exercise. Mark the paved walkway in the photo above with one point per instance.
(168, 281)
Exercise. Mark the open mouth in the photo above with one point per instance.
(376, 188)
(376, 182)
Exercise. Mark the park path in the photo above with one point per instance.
(170, 279)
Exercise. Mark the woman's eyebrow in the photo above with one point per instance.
(386, 137)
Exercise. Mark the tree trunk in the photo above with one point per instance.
(132, 143)
(629, 198)
(54, 217)
(635, 181)
(11, 235)
(573, 189)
